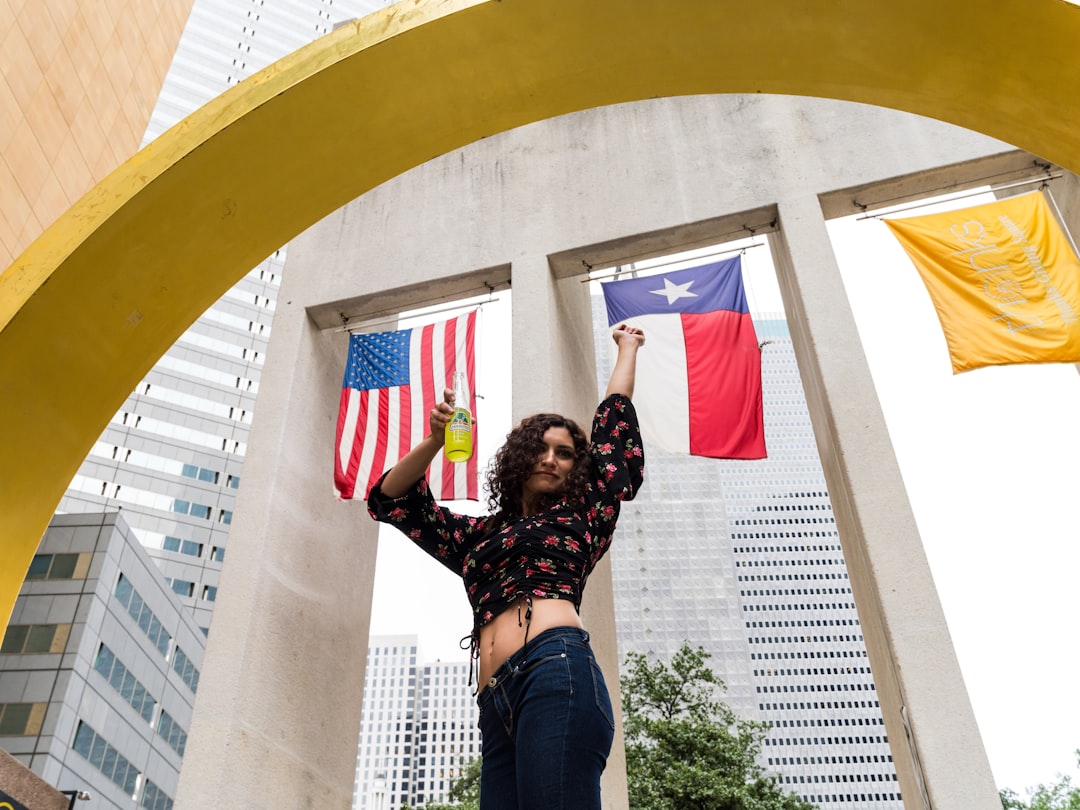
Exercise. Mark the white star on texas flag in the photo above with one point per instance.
(675, 291)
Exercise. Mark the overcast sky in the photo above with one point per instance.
(989, 460)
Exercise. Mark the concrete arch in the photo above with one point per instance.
(97, 299)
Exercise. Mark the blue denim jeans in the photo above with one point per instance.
(546, 726)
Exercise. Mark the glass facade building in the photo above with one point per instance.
(743, 558)
(99, 667)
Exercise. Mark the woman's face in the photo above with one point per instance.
(552, 466)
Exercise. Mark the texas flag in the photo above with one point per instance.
(698, 386)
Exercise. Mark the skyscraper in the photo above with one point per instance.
(418, 730)
(743, 558)
(172, 456)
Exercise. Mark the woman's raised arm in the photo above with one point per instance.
(629, 340)
(414, 464)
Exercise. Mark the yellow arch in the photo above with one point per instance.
(99, 297)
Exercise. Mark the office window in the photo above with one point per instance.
(170, 731)
(27, 639)
(186, 670)
(58, 566)
(21, 719)
(181, 587)
(180, 546)
(89, 744)
(154, 798)
(39, 566)
(143, 616)
(198, 510)
(120, 678)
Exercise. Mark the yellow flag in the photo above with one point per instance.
(1004, 281)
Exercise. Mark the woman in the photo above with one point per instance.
(546, 720)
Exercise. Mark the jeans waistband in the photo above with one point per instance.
(520, 656)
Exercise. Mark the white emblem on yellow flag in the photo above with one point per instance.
(1004, 281)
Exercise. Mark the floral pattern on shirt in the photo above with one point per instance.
(548, 555)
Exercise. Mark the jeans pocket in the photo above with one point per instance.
(505, 711)
(531, 663)
(603, 699)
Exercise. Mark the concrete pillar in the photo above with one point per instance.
(554, 369)
(277, 715)
(939, 756)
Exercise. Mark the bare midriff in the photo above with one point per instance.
(506, 633)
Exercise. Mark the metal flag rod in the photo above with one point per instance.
(900, 209)
(463, 304)
(617, 271)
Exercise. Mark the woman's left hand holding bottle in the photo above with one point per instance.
(439, 416)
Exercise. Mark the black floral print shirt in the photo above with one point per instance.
(548, 555)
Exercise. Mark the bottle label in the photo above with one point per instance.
(459, 437)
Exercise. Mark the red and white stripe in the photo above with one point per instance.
(698, 388)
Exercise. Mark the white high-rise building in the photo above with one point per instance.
(418, 730)
(743, 558)
(172, 456)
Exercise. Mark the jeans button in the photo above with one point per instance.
(493, 682)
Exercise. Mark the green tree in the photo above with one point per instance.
(464, 791)
(685, 747)
(1010, 801)
(1061, 795)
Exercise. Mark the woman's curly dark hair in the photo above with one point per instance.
(514, 462)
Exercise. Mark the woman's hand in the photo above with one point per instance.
(439, 416)
(633, 336)
(414, 464)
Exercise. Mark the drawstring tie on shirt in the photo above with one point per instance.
(527, 598)
(471, 642)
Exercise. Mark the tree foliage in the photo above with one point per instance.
(1061, 795)
(464, 791)
(685, 747)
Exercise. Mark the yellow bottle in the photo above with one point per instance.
(458, 444)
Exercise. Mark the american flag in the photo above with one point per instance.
(392, 380)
